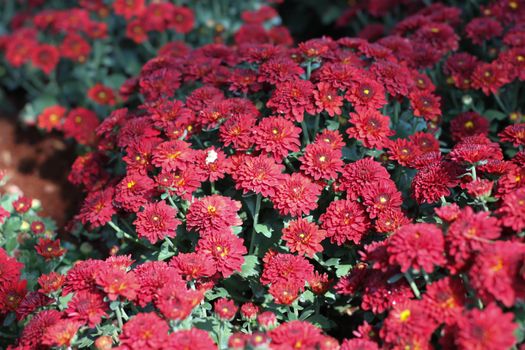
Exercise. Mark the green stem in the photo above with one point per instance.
(316, 125)
(255, 221)
(118, 312)
(500, 103)
(306, 137)
(127, 235)
(412, 284)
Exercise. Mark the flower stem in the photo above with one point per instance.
(413, 285)
(118, 312)
(306, 137)
(255, 221)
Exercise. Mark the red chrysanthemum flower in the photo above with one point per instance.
(213, 213)
(390, 220)
(31, 337)
(226, 249)
(134, 191)
(345, 220)
(370, 127)
(175, 301)
(12, 294)
(87, 308)
(426, 105)
(101, 94)
(474, 149)
(468, 124)
(193, 266)
(22, 204)
(487, 329)
(237, 132)
(45, 57)
(283, 268)
(50, 282)
(469, 233)
(172, 155)
(444, 300)
(128, 8)
(145, 331)
(117, 283)
(327, 99)
(279, 70)
(278, 136)
(403, 151)
(10, 268)
(303, 237)
(284, 293)
(433, 182)
(366, 93)
(259, 174)
(214, 163)
(381, 196)
(51, 118)
(296, 335)
(483, 28)
(490, 77)
(405, 321)
(321, 161)
(152, 276)
(82, 276)
(356, 175)
(191, 339)
(296, 195)
(417, 246)
(249, 311)
(494, 274)
(30, 303)
(292, 99)
(512, 210)
(49, 249)
(331, 137)
(157, 221)
(225, 309)
(80, 124)
(514, 133)
(97, 208)
(61, 333)
(183, 19)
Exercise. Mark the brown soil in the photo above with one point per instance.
(37, 165)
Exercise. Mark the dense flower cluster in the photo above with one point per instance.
(258, 195)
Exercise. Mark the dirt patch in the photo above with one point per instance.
(37, 165)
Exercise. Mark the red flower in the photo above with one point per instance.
(357, 175)
(296, 195)
(136, 31)
(468, 124)
(249, 310)
(403, 151)
(87, 308)
(61, 333)
(417, 246)
(303, 237)
(128, 8)
(225, 309)
(279, 70)
(97, 208)
(82, 276)
(30, 303)
(10, 268)
(182, 19)
(433, 182)
(513, 210)
(292, 99)
(345, 220)
(296, 335)
(366, 93)
(51, 118)
(75, 47)
(474, 149)
(32, 334)
(11, 295)
(490, 77)
(175, 301)
(117, 283)
(237, 132)
(331, 137)
(278, 136)
(181, 183)
(327, 99)
(157, 221)
(283, 268)
(390, 220)
(469, 233)
(134, 191)
(213, 214)
(381, 196)
(445, 300)
(488, 329)
(80, 124)
(138, 156)
(191, 339)
(370, 127)
(103, 95)
(145, 331)
(38, 227)
(193, 266)
(258, 174)
(49, 249)
(321, 161)
(51, 282)
(213, 163)
(45, 57)
(405, 321)
(226, 249)
(172, 155)
(426, 105)
(152, 276)
(483, 28)
(22, 204)
(514, 133)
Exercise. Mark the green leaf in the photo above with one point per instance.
(249, 266)
(342, 270)
(165, 251)
(264, 230)
(493, 114)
